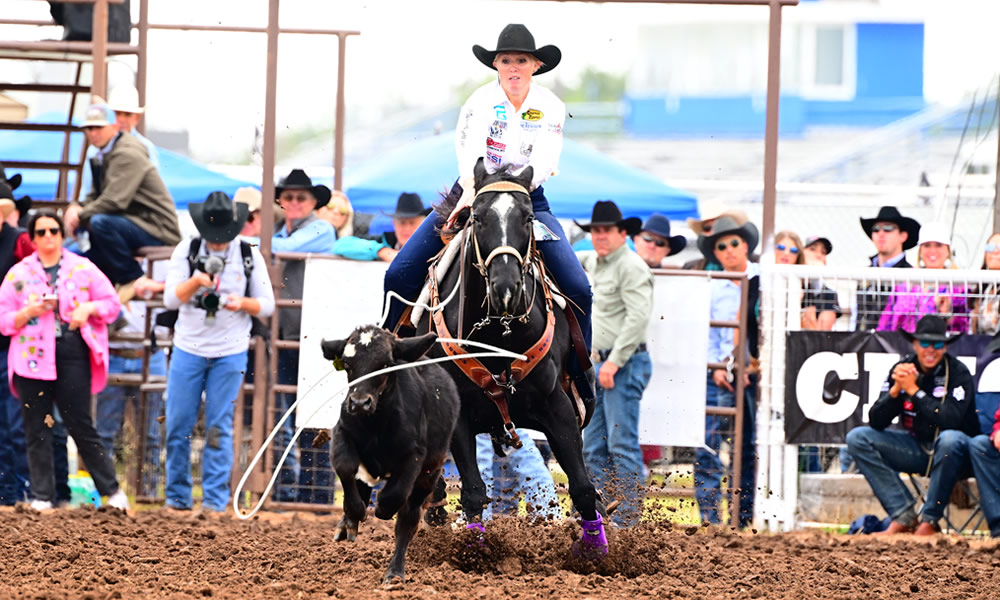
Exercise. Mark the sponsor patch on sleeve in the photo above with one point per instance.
(958, 393)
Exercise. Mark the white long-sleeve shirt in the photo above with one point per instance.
(231, 332)
(489, 127)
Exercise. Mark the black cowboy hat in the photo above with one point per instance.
(931, 328)
(724, 226)
(517, 38)
(218, 218)
(890, 214)
(660, 225)
(607, 212)
(408, 206)
(298, 180)
(13, 181)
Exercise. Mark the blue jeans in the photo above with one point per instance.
(521, 472)
(611, 441)
(13, 454)
(113, 240)
(882, 455)
(986, 406)
(220, 379)
(708, 468)
(408, 270)
(111, 403)
(986, 465)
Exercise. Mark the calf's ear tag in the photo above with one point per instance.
(338, 363)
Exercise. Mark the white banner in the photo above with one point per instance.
(340, 295)
(673, 405)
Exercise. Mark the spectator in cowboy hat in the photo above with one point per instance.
(127, 207)
(251, 197)
(932, 394)
(409, 214)
(623, 304)
(893, 234)
(303, 231)
(711, 211)
(730, 243)
(22, 204)
(654, 242)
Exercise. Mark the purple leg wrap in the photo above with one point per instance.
(478, 526)
(593, 544)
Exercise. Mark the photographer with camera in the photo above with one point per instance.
(217, 285)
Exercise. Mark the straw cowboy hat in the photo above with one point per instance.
(125, 98)
(408, 206)
(727, 225)
(931, 328)
(607, 212)
(249, 196)
(298, 180)
(711, 210)
(517, 38)
(890, 214)
(218, 218)
(660, 225)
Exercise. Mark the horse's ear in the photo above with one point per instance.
(525, 177)
(479, 172)
(407, 350)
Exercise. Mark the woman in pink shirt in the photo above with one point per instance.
(56, 306)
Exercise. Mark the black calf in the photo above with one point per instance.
(395, 427)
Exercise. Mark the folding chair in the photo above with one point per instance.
(962, 486)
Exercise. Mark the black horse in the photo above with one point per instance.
(503, 302)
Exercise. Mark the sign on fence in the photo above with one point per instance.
(833, 378)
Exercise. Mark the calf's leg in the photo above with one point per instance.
(407, 521)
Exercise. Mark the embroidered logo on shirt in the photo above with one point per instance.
(493, 157)
(555, 128)
(939, 391)
(526, 148)
(958, 393)
(501, 112)
(499, 146)
(532, 114)
(496, 129)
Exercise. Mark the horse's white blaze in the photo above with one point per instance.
(506, 299)
(502, 207)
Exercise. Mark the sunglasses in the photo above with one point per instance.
(53, 231)
(992, 247)
(732, 244)
(295, 197)
(928, 344)
(782, 248)
(886, 227)
(659, 243)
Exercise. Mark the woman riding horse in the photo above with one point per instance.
(512, 124)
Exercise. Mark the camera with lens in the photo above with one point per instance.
(209, 300)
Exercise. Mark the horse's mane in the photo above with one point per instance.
(449, 200)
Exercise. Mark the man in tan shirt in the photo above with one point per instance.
(623, 304)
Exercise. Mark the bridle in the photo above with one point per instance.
(525, 261)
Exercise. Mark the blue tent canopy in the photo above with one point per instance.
(187, 180)
(429, 167)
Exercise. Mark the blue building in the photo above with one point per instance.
(843, 63)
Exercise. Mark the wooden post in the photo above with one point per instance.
(99, 83)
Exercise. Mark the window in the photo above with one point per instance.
(829, 55)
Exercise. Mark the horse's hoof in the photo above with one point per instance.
(593, 544)
(479, 530)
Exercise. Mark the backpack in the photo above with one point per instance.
(168, 318)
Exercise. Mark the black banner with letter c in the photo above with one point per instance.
(833, 377)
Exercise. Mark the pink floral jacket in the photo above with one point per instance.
(32, 352)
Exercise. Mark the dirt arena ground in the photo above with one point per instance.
(97, 554)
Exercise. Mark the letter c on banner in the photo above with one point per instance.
(809, 387)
